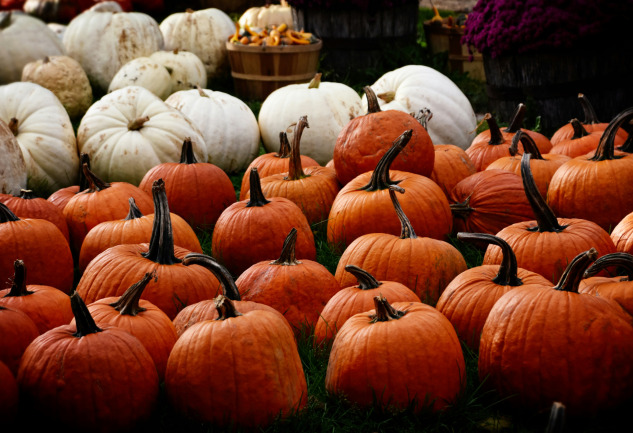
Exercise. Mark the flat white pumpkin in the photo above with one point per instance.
(131, 130)
(228, 125)
(328, 105)
(144, 72)
(185, 69)
(12, 166)
(412, 88)
(103, 41)
(23, 39)
(45, 133)
(266, 16)
(204, 33)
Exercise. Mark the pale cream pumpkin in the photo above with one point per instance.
(65, 77)
(23, 39)
(144, 72)
(204, 33)
(131, 130)
(329, 106)
(413, 88)
(58, 28)
(186, 70)
(12, 166)
(45, 133)
(267, 16)
(103, 41)
(228, 125)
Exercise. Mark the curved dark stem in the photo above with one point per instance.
(461, 210)
(161, 244)
(575, 271)
(496, 137)
(529, 146)
(590, 114)
(517, 119)
(605, 150)
(95, 183)
(284, 145)
(221, 273)
(372, 100)
(295, 169)
(6, 215)
(186, 155)
(84, 159)
(620, 260)
(384, 310)
(287, 256)
(380, 176)
(366, 281)
(18, 285)
(128, 303)
(85, 323)
(579, 130)
(406, 231)
(508, 269)
(134, 211)
(225, 308)
(546, 221)
(256, 194)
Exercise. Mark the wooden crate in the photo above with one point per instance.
(441, 38)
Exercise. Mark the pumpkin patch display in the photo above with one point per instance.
(143, 72)
(27, 205)
(186, 70)
(451, 165)
(12, 164)
(267, 15)
(328, 105)
(60, 197)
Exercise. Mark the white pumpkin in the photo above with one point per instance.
(45, 133)
(23, 39)
(59, 30)
(131, 130)
(103, 41)
(267, 16)
(185, 69)
(12, 166)
(228, 126)
(65, 77)
(328, 105)
(204, 33)
(413, 88)
(143, 72)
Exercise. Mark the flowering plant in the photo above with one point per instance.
(497, 27)
(348, 4)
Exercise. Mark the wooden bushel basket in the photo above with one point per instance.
(259, 70)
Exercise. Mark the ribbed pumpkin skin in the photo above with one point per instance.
(356, 212)
(542, 346)
(482, 153)
(246, 349)
(548, 253)
(117, 268)
(416, 356)
(17, 330)
(580, 146)
(424, 265)
(46, 306)
(60, 197)
(36, 207)
(452, 164)
(9, 395)
(109, 379)
(616, 288)
(496, 199)
(468, 299)
(622, 234)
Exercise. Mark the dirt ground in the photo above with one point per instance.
(453, 5)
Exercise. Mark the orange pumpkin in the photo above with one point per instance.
(452, 164)
(617, 288)
(27, 205)
(17, 330)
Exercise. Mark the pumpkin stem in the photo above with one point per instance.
(366, 281)
(590, 114)
(137, 124)
(496, 136)
(423, 116)
(161, 243)
(579, 130)
(372, 100)
(295, 169)
(315, 82)
(225, 308)
(384, 311)
(26, 194)
(284, 146)
(508, 269)
(287, 256)
(221, 273)
(134, 211)
(186, 154)
(257, 197)
(5, 19)
(575, 271)
(18, 285)
(201, 92)
(84, 158)
(13, 126)
(83, 319)
(380, 176)
(623, 260)
(529, 145)
(546, 221)
(605, 150)
(406, 231)
(517, 119)
(461, 210)
(627, 146)
(94, 183)
(556, 422)
(128, 302)
(6, 215)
